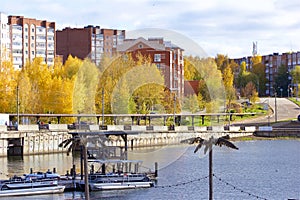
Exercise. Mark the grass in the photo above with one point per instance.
(295, 100)
(253, 138)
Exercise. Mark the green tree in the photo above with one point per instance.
(191, 103)
(259, 69)
(25, 92)
(228, 78)
(296, 78)
(190, 72)
(85, 88)
(282, 80)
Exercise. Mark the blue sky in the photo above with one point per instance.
(218, 26)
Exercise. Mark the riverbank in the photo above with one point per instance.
(252, 137)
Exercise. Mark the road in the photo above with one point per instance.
(286, 110)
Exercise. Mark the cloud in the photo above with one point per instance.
(218, 26)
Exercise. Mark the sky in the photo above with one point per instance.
(226, 27)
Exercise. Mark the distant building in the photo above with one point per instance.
(272, 62)
(5, 47)
(88, 42)
(166, 56)
(31, 38)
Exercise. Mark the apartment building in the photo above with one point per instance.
(31, 38)
(272, 62)
(88, 42)
(166, 56)
(4, 38)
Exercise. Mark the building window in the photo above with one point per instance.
(32, 30)
(157, 57)
(140, 46)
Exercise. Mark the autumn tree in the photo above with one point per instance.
(25, 100)
(85, 88)
(222, 62)
(8, 87)
(249, 92)
(259, 69)
(244, 78)
(191, 103)
(296, 78)
(190, 72)
(211, 85)
(130, 77)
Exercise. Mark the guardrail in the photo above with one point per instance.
(136, 128)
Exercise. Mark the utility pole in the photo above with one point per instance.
(102, 107)
(210, 175)
(18, 106)
(275, 107)
(174, 108)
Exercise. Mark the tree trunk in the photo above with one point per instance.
(86, 173)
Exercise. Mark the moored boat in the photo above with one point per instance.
(114, 181)
(20, 188)
(120, 177)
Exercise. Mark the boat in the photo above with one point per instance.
(41, 176)
(122, 178)
(17, 186)
(119, 181)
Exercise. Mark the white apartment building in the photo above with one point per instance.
(4, 38)
(24, 39)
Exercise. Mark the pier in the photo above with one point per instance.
(137, 130)
(30, 139)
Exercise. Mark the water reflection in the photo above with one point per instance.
(18, 165)
(265, 168)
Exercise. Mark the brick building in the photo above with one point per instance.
(31, 38)
(272, 62)
(88, 42)
(166, 56)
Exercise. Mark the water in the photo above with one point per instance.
(268, 169)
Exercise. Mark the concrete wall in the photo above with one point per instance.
(3, 128)
(3, 147)
(32, 127)
(44, 142)
(58, 127)
(47, 141)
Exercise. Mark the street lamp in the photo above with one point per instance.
(174, 108)
(18, 105)
(275, 107)
(102, 107)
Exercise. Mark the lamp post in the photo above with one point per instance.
(18, 106)
(102, 107)
(275, 107)
(174, 108)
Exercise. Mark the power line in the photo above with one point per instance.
(238, 189)
(182, 183)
